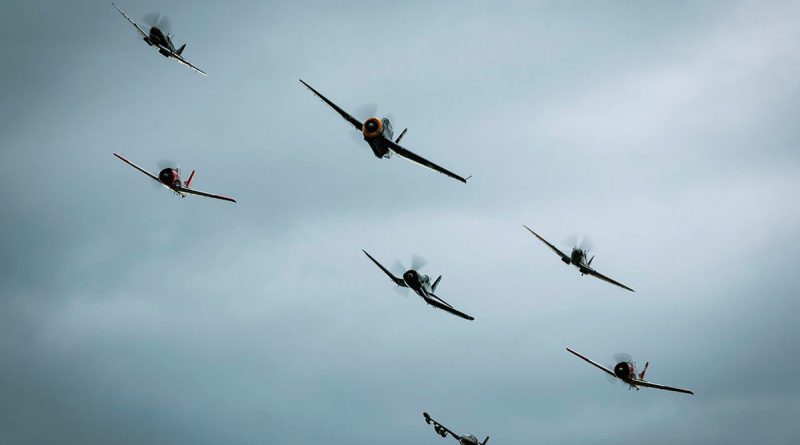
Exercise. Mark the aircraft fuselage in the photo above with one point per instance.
(158, 38)
(376, 132)
(419, 283)
(171, 178)
(578, 259)
(468, 439)
(626, 371)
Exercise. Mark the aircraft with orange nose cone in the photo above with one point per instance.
(379, 135)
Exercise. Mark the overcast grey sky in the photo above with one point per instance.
(666, 131)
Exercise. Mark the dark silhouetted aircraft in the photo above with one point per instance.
(157, 38)
(421, 285)
(467, 439)
(578, 259)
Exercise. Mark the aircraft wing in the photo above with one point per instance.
(154, 177)
(396, 280)
(606, 370)
(207, 195)
(597, 274)
(439, 427)
(355, 122)
(178, 58)
(130, 20)
(422, 161)
(437, 302)
(657, 386)
(564, 258)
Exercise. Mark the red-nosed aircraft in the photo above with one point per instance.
(170, 178)
(625, 370)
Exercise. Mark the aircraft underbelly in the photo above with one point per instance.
(378, 148)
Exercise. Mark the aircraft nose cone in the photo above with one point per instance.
(622, 370)
(410, 277)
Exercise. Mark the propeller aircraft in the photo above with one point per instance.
(160, 38)
(170, 177)
(578, 259)
(625, 370)
(467, 439)
(421, 285)
(380, 136)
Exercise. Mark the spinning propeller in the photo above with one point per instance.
(158, 20)
(417, 263)
(362, 113)
(585, 243)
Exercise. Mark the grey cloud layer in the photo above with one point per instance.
(665, 132)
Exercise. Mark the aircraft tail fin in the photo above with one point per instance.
(180, 50)
(189, 181)
(485, 440)
(436, 283)
(641, 374)
(397, 141)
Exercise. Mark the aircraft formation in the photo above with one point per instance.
(378, 134)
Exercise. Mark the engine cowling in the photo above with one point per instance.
(624, 370)
(169, 177)
(411, 277)
(373, 127)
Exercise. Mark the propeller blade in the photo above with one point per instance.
(623, 357)
(398, 268)
(586, 244)
(402, 291)
(366, 111)
(357, 137)
(165, 25)
(158, 20)
(571, 240)
(167, 163)
(417, 262)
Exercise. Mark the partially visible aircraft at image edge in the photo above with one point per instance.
(170, 177)
(157, 38)
(420, 284)
(467, 439)
(577, 258)
(379, 135)
(625, 370)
